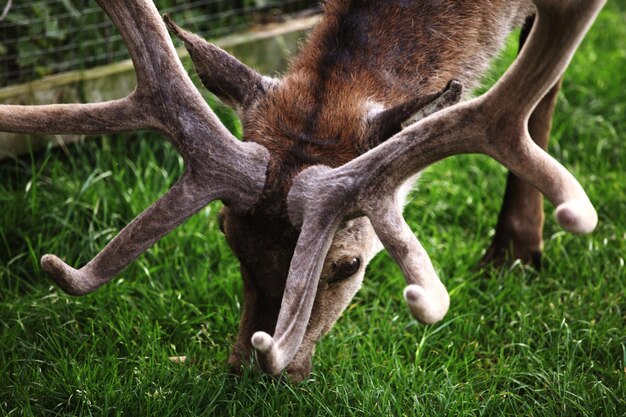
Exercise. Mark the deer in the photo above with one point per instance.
(317, 185)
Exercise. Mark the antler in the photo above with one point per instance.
(494, 124)
(217, 165)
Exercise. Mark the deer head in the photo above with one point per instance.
(319, 181)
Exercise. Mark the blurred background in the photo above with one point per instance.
(39, 38)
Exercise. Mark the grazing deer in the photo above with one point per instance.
(319, 181)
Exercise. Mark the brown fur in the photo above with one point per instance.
(361, 52)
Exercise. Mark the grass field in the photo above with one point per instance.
(516, 342)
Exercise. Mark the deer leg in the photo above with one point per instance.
(519, 228)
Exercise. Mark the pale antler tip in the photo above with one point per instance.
(413, 293)
(271, 359)
(424, 306)
(577, 216)
(262, 342)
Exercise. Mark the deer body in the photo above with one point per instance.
(364, 57)
(317, 186)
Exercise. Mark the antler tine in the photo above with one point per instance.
(184, 199)
(276, 352)
(496, 120)
(319, 224)
(426, 296)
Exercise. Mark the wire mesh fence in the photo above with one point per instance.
(44, 37)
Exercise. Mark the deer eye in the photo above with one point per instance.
(344, 268)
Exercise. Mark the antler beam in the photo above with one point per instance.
(494, 124)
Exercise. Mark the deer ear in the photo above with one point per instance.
(391, 121)
(233, 82)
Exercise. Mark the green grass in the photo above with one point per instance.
(516, 342)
